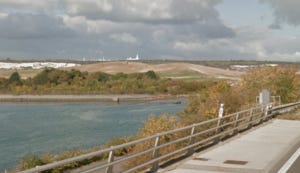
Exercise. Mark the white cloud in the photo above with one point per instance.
(20, 5)
(78, 6)
(280, 56)
(3, 15)
(286, 11)
(144, 10)
(158, 29)
(118, 10)
(190, 46)
(32, 26)
(124, 38)
(249, 43)
(297, 54)
(26, 2)
(79, 24)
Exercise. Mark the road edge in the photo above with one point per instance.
(276, 164)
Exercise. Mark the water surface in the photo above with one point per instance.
(38, 128)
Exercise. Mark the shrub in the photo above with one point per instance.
(15, 79)
(281, 81)
(153, 126)
(119, 141)
(151, 75)
(30, 161)
(42, 77)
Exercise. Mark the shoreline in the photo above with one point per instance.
(6, 98)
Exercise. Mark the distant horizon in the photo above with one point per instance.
(141, 60)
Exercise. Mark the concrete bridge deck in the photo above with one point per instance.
(260, 150)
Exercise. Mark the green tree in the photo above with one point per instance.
(151, 75)
(42, 77)
(15, 79)
(120, 76)
(102, 77)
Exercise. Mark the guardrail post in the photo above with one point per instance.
(155, 155)
(266, 112)
(218, 125)
(217, 130)
(262, 115)
(236, 130)
(279, 100)
(250, 118)
(109, 169)
(191, 141)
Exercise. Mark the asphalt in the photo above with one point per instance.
(292, 165)
(295, 168)
(261, 150)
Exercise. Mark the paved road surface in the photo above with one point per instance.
(263, 149)
(295, 168)
(292, 165)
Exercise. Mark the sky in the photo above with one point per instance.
(156, 29)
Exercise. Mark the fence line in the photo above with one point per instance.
(189, 139)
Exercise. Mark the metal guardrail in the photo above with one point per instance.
(180, 141)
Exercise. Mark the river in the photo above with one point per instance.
(35, 128)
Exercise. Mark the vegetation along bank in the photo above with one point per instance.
(203, 105)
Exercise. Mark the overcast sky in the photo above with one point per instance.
(156, 29)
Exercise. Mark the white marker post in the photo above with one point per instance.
(221, 110)
(220, 115)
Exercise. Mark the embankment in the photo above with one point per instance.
(85, 98)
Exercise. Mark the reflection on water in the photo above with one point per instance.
(89, 116)
(38, 128)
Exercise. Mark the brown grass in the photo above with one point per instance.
(294, 115)
(167, 68)
(26, 73)
(138, 67)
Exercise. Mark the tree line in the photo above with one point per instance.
(55, 81)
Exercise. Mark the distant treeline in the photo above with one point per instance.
(55, 81)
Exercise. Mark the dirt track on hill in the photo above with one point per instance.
(133, 67)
